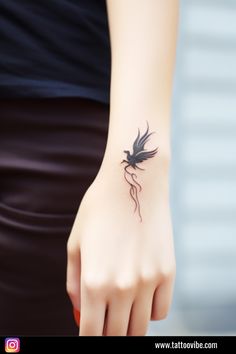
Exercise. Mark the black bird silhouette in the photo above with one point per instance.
(139, 155)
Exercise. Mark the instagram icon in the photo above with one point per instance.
(12, 345)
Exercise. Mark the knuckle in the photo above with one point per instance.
(168, 272)
(94, 284)
(125, 286)
(148, 277)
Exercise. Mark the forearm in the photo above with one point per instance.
(143, 38)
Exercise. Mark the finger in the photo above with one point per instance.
(140, 314)
(73, 276)
(118, 315)
(162, 300)
(92, 314)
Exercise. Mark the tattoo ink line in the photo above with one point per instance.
(132, 160)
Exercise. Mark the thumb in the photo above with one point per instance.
(73, 275)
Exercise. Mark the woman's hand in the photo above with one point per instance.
(120, 271)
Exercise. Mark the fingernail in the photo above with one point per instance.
(77, 316)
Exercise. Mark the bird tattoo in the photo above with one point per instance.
(139, 155)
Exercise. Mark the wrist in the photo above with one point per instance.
(158, 169)
(154, 178)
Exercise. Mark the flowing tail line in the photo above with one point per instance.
(134, 176)
(138, 204)
(133, 189)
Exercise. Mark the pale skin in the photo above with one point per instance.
(121, 271)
